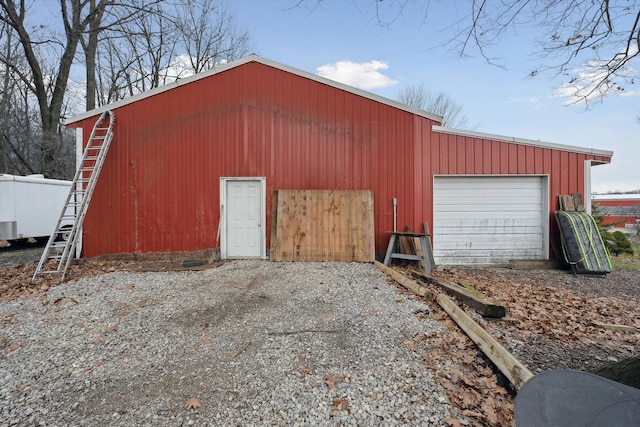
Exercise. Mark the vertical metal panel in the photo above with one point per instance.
(159, 188)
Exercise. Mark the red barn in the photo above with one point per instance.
(619, 210)
(184, 155)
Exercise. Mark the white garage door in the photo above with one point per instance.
(489, 220)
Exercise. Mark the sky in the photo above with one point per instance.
(342, 40)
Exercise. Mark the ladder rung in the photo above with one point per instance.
(95, 151)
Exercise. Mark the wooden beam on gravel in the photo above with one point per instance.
(617, 328)
(414, 287)
(511, 367)
(483, 304)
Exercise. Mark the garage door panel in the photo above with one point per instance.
(497, 193)
(494, 243)
(497, 219)
(532, 229)
(484, 212)
(489, 257)
(488, 220)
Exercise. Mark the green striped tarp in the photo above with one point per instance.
(582, 245)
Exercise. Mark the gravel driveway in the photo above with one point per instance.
(256, 343)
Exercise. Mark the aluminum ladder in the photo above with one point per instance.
(62, 242)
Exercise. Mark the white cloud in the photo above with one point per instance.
(179, 68)
(593, 82)
(365, 75)
(532, 101)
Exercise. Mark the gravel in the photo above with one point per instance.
(255, 342)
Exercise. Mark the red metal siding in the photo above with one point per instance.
(160, 186)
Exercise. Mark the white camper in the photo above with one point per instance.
(30, 205)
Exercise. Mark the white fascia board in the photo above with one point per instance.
(258, 59)
(522, 141)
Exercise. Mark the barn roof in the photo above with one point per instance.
(254, 58)
(258, 59)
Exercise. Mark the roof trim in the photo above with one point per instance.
(260, 60)
(522, 141)
(616, 197)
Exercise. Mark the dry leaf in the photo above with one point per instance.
(305, 371)
(410, 345)
(452, 422)
(110, 328)
(14, 346)
(129, 286)
(206, 341)
(332, 381)
(193, 403)
(339, 405)
(97, 341)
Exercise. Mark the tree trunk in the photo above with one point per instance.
(90, 50)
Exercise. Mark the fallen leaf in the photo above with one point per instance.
(206, 341)
(129, 286)
(110, 328)
(410, 345)
(193, 403)
(332, 381)
(305, 371)
(339, 405)
(14, 346)
(97, 341)
(452, 422)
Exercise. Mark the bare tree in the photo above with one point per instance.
(169, 44)
(590, 45)
(127, 47)
(48, 86)
(419, 96)
(208, 34)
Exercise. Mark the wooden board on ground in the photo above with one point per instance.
(482, 304)
(511, 367)
(405, 281)
(323, 225)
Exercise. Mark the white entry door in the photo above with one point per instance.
(244, 210)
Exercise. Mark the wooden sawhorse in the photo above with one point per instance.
(393, 251)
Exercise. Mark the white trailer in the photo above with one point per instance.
(30, 205)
